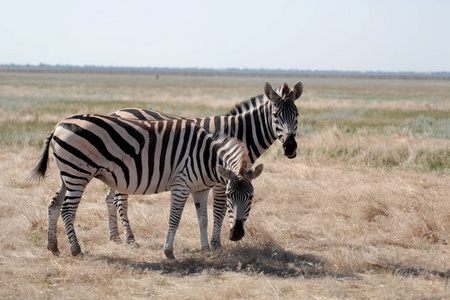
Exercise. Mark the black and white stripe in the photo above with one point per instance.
(142, 157)
(258, 122)
(253, 102)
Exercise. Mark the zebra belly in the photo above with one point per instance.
(146, 186)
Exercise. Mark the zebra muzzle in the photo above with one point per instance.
(237, 232)
(290, 147)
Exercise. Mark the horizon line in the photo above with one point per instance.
(221, 71)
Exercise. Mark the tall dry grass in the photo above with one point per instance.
(354, 216)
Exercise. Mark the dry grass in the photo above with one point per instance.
(368, 222)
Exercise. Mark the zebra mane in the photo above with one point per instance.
(246, 105)
(239, 151)
(253, 102)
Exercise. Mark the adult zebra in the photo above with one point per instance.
(258, 122)
(144, 157)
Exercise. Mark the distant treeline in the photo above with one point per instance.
(44, 68)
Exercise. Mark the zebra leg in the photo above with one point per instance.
(201, 201)
(121, 203)
(68, 213)
(54, 208)
(112, 217)
(219, 210)
(178, 199)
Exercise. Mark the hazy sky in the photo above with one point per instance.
(360, 35)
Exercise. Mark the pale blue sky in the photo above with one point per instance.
(308, 35)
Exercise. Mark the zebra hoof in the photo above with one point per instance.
(116, 239)
(216, 246)
(169, 254)
(54, 249)
(206, 248)
(76, 251)
(133, 245)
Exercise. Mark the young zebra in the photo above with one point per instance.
(144, 157)
(258, 122)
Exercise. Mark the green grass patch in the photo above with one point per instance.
(432, 123)
(433, 161)
(28, 133)
(401, 158)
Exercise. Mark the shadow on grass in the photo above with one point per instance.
(408, 271)
(248, 259)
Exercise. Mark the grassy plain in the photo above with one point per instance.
(363, 212)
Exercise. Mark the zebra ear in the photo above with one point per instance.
(227, 174)
(296, 91)
(252, 174)
(270, 92)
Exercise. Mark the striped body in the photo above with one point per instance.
(258, 122)
(140, 157)
(116, 150)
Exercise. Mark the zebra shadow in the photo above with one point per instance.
(244, 259)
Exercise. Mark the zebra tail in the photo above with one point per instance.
(39, 170)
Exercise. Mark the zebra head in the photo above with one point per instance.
(239, 198)
(284, 115)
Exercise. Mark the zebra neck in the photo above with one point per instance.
(268, 119)
(259, 134)
(253, 127)
(230, 160)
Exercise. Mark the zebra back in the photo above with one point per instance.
(143, 114)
